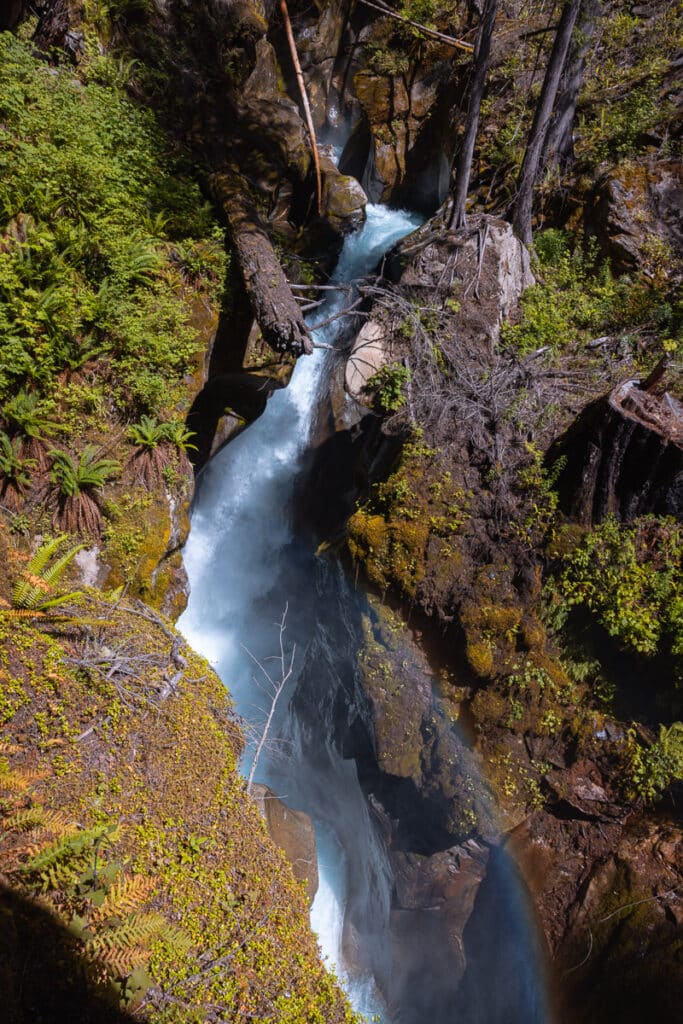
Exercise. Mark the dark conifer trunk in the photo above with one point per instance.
(480, 70)
(559, 146)
(523, 205)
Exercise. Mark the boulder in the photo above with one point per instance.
(638, 205)
(433, 901)
(343, 201)
(293, 832)
(370, 351)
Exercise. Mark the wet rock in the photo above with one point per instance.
(344, 201)
(434, 898)
(293, 832)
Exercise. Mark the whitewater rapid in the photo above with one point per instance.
(241, 561)
(247, 559)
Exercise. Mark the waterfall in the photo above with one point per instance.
(247, 559)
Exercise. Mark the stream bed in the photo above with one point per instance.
(250, 562)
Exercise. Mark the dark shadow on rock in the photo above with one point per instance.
(42, 975)
(244, 394)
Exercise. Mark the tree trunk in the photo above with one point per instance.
(275, 309)
(522, 207)
(481, 66)
(559, 146)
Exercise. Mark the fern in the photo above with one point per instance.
(137, 930)
(68, 848)
(177, 939)
(22, 821)
(17, 780)
(33, 590)
(121, 962)
(125, 896)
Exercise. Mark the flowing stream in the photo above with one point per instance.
(248, 559)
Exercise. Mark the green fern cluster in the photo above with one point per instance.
(102, 905)
(90, 208)
(36, 587)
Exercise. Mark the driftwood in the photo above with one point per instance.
(275, 309)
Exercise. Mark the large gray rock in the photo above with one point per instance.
(638, 206)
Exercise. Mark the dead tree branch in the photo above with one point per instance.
(285, 660)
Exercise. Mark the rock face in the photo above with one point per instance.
(609, 897)
(293, 832)
(638, 205)
(400, 146)
(434, 897)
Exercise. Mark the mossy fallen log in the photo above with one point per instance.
(275, 309)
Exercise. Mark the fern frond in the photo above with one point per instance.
(53, 574)
(121, 962)
(62, 874)
(125, 896)
(57, 823)
(138, 930)
(34, 585)
(67, 848)
(53, 602)
(22, 613)
(44, 553)
(179, 941)
(32, 817)
(18, 780)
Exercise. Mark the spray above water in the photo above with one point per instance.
(246, 560)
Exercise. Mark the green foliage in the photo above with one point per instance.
(631, 578)
(148, 433)
(537, 486)
(89, 210)
(576, 298)
(389, 384)
(13, 467)
(72, 476)
(26, 414)
(35, 588)
(651, 769)
(176, 434)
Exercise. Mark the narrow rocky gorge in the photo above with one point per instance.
(448, 462)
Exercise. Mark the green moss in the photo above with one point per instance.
(165, 769)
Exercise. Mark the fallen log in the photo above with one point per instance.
(275, 309)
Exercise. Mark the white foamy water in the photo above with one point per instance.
(237, 559)
(247, 559)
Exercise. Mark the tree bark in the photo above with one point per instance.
(559, 145)
(480, 66)
(523, 205)
(275, 309)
